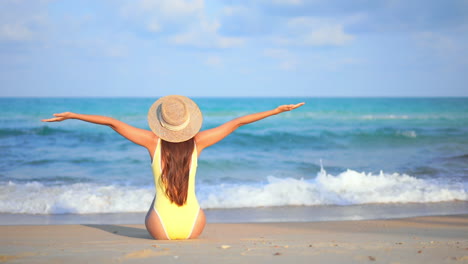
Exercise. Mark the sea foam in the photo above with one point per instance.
(347, 188)
(78, 198)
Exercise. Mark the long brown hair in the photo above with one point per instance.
(176, 158)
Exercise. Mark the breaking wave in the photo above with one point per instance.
(347, 188)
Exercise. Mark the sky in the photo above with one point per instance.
(221, 48)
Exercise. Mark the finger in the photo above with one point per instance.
(297, 105)
(300, 104)
(50, 119)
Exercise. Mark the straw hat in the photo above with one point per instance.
(175, 118)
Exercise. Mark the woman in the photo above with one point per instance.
(174, 144)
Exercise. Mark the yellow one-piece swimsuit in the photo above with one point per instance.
(177, 221)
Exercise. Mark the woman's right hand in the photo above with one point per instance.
(59, 117)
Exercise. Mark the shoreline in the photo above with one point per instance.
(429, 239)
(317, 213)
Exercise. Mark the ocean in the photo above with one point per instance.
(330, 153)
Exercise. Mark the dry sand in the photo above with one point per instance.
(436, 239)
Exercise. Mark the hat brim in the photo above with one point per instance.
(192, 128)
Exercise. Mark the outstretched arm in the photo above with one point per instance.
(138, 136)
(211, 136)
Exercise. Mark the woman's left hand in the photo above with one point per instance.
(284, 108)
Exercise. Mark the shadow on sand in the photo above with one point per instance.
(123, 231)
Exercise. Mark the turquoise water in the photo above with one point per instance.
(332, 151)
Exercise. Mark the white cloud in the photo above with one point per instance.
(282, 40)
(228, 42)
(163, 9)
(115, 51)
(288, 65)
(332, 35)
(286, 60)
(276, 53)
(214, 61)
(15, 32)
(154, 26)
(288, 2)
(172, 8)
(205, 35)
(184, 21)
(446, 48)
(338, 63)
(234, 10)
(157, 15)
(310, 31)
(22, 20)
(435, 41)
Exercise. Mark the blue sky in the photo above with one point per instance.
(234, 48)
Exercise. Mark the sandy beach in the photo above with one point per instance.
(430, 239)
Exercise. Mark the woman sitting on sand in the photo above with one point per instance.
(174, 145)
